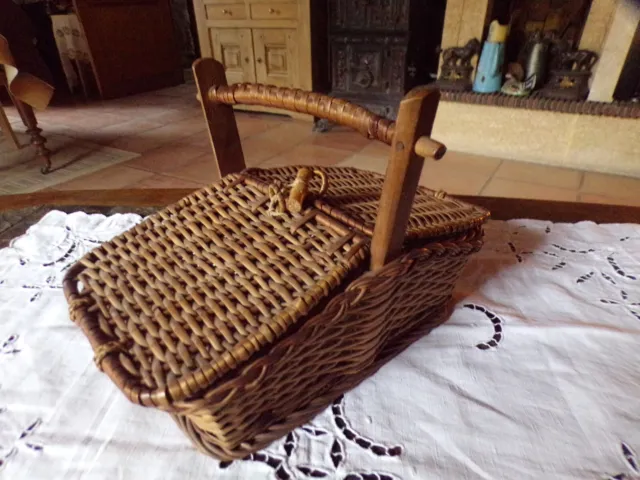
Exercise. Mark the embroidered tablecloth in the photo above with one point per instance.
(535, 375)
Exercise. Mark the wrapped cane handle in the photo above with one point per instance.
(335, 110)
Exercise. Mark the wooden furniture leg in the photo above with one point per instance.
(37, 140)
(5, 126)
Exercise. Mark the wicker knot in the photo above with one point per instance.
(276, 200)
(105, 349)
(76, 306)
(441, 194)
(300, 188)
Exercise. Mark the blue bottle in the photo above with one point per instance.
(489, 75)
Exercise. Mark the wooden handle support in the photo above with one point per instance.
(411, 143)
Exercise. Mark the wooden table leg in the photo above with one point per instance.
(37, 140)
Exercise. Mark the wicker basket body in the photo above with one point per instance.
(243, 319)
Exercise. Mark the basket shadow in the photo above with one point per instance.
(501, 252)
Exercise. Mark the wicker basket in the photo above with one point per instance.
(247, 307)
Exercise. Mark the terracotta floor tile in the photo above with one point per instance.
(249, 125)
(168, 128)
(500, 187)
(200, 170)
(109, 134)
(593, 198)
(611, 185)
(452, 179)
(376, 149)
(52, 129)
(166, 158)
(132, 127)
(181, 129)
(95, 121)
(341, 139)
(305, 154)
(178, 90)
(539, 174)
(150, 139)
(115, 177)
(200, 139)
(259, 148)
(467, 161)
(141, 142)
(176, 115)
(165, 181)
(95, 136)
(290, 132)
(366, 162)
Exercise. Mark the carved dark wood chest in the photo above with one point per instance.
(380, 49)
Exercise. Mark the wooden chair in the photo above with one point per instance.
(5, 126)
(28, 117)
(408, 137)
(23, 79)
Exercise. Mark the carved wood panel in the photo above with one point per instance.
(367, 64)
(369, 14)
(381, 48)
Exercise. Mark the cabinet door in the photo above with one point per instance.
(232, 47)
(369, 65)
(276, 54)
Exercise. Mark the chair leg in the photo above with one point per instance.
(5, 126)
(37, 140)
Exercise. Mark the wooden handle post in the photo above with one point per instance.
(223, 130)
(415, 120)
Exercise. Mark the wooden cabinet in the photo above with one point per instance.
(260, 41)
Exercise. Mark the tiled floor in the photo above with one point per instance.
(167, 129)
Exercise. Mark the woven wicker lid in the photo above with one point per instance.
(195, 290)
(354, 195)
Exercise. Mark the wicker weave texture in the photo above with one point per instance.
(354, 198)
(377, 316)
(195, 290)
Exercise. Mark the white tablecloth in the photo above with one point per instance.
(536, 375)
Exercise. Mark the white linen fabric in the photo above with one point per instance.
(535, 375)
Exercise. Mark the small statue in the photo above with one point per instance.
(456, 66)
(569, 73)
(518, 88)
(536, 52)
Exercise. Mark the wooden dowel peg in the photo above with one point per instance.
(428, 148)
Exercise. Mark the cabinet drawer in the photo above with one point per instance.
(274, 11)
(226, 12)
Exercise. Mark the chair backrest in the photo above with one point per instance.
(408, 137)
